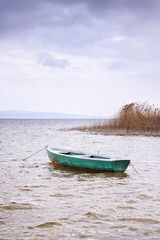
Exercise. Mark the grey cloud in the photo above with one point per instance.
(47, 60)
(84, 26)
(21, 14)
(121, 4)
(119, 65)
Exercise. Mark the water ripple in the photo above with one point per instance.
(140, 220)
(40, 200)
(16, 206)
(48, 225)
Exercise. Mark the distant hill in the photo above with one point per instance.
(11, 114)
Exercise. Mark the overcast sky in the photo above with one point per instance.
(79, 56)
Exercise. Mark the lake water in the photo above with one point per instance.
(38, 201)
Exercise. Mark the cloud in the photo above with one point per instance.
(82, 22)
(45, 59)
(118, 39)
(110, 28)
(120, 65)
(113, 45)
(20, 15)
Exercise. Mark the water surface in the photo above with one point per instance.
(39, 201)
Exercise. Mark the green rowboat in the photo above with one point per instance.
(87, 161)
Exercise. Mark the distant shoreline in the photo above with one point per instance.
(14, 114)
(79, 119)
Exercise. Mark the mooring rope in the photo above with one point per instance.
(134, 168)
(35, 153)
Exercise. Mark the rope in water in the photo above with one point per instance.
(35, 153)
(134, 168)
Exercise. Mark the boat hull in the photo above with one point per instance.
(81, 161)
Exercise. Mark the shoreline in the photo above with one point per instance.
(117, 132)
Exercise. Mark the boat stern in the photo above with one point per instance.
(120, 165)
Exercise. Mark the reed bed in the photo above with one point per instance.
(132, 119)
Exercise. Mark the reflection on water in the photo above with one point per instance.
(41, 200)
(91, 172)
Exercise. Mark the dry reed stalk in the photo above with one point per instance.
(134, 117)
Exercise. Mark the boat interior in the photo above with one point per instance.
(84, 155)
(80, 154)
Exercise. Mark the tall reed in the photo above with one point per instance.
(133, 118)
(140, 117)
